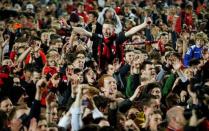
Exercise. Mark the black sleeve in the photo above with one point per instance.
(136, 79)
(97, 40)
(39, 63)
(35, 110)
(65, 96)
(96, 37)
(121, 38)
(124, 106)
(98, 28)
(112, 117)
(123, 71)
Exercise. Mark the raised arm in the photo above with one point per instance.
(82, 31)
(24, 54)
(2, 45)
(100, 19)
(137, 28)
(76, 111)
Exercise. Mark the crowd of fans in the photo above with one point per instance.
(104, 65)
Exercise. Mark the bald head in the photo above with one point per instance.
(175, 116)
(172, 112)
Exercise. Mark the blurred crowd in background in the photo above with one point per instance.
(104, 65)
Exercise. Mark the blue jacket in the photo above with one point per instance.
(192, 52)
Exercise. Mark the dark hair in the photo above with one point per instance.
(157, 112)
(106, 128)
(90, 127)
(35, 38)
(155, 55)
(150, 86)
(147, 101)
(94, 13)
(76, 70)
(145, 63)
(70, 57)
(21, 39)
(2, 98)
(194, 62)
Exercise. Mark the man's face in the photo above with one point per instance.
(90, 76)
(59, 44)
(35, 77)
(155, 119)
(129, 56)
(155, 105)
(156, 92)
(109, 14)
(78, 63)
(205, 54)
(164, 39)
(42, 124)
(138, 58)
(199, 43)
(6, 105)
(54, 115)
(110, 69)
(16, 81)
(132, 113)
(107, 30)
(110, 87)
(149, 71)
(130, 125)
(45, 36)
(91, 18)
(51, 62)
(127, 10)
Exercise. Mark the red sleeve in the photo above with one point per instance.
(188, 20)
(12, 55)
(27, 60)
(178, 25)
